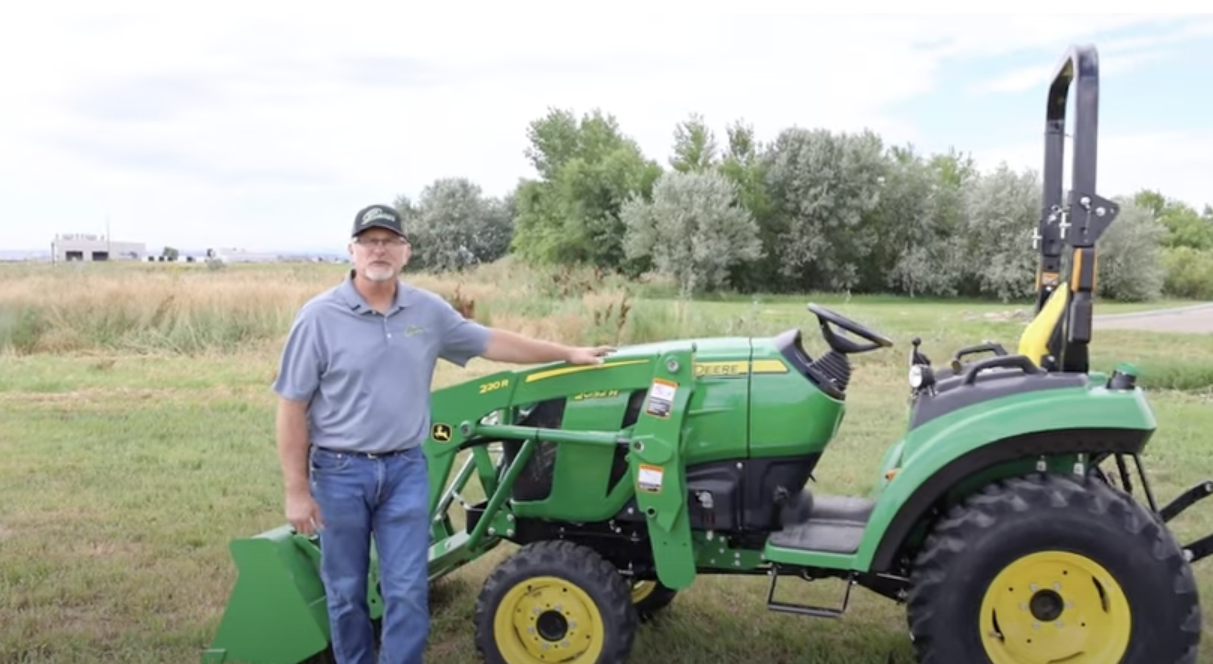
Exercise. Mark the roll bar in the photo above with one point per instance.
(1070, 225)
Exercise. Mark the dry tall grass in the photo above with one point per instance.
(194, 309)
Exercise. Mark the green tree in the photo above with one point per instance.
(694, 146)
(823, 188)
(743, 165)
(1189, 272)
(692, 230)
(922, 251)
(1001, 209)
(1185, 227)
(454, 226)
(1130, 264)
(587, 169)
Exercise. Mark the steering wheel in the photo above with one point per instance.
(842, 343)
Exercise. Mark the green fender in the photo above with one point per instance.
(943, 453)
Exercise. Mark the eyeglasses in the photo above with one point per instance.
(380, 243)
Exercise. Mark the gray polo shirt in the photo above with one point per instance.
(367, 376)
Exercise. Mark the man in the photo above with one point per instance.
(354, 387)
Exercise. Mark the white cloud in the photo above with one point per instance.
(1117, 56)
(267, 124)
(1175, 163)
(1039, 77)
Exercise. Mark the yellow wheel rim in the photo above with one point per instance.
(548, 619)
(1055, 607)
(642, 589)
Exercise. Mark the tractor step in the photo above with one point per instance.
(807, 610)
(835, 525)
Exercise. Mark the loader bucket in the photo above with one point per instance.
(277, 612)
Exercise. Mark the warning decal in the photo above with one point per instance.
(661, 397)
(649, 478)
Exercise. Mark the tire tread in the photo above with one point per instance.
(980, 514)
(581, 566)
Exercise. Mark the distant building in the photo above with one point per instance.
(232, 255)
(86, 247)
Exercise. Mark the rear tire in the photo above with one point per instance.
(1049, 567)
(554, 601)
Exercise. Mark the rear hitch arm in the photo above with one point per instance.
(1203, 547)
(1199, 549)
(1186, 500)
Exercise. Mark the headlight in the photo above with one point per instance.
(921, 376)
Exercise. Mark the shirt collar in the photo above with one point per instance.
(359, 305)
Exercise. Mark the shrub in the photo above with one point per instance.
(1189, 273)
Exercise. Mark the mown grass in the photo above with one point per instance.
(136, 428)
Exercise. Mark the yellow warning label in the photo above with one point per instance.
(661, 398)
(649, 478)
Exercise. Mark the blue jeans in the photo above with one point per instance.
(387, 498)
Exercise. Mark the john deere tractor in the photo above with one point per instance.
(1005, 517)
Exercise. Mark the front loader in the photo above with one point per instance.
(1004, 517)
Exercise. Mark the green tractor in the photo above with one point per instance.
(1004, 518)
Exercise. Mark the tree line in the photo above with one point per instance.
(811, 210)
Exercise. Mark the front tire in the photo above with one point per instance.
(1050, 568)
(650, 597)
(555, 601)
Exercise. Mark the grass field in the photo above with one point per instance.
(136, 426)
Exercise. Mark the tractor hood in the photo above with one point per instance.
(707, 349)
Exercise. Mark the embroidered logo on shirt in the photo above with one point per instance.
(413, 330)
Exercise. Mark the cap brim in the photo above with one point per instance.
(374, 224)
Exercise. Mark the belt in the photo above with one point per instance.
(368, 455)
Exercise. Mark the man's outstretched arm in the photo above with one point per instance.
(507, 346)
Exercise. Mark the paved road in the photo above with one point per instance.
(1194, 319)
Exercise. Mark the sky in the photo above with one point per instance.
(266, 125)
